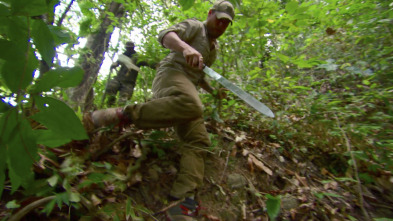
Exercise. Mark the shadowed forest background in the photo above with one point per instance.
(323, 67)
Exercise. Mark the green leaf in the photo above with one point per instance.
(17, 30)
(21, 148)
(186, 4)
(8, 51)
(60, 35)
(17, 70)
(74, 197)
(12, 204)
(4, 106)
(128, 209)
(8, 124)
(106, 165)
(62, 198)
(59, 118)
(53, 180)
(97, 177)
(273, 205)
(43, 40)
(2, 167)
(322, 194)
(302, 88)
(50, 138)
(16, 181)
(28, 7)
(366, 177)
(291, 7)
(60, 77)
(157, 134)
(84, 27)
(332, 195)
(282, 57)
(4, 11)
(319, 195)
(49, 207)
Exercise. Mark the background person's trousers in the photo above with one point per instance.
(176, 103)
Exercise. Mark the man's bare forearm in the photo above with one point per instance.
(172, 41)
(193, 58)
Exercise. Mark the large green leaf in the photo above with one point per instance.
(59, 118)
(8, 125)
(43, 40)
(17, 30)
(2, 172)
(17, 69)
(4, 106)
(60, 77)
(16, 180)
(18, 73)
(2, 153)
(4, 11)
(29, 7)
(18, 140)
(50, 138)
(273, 205)
(7, 50)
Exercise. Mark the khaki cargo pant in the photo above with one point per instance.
(176, 103)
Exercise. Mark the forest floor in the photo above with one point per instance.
(127, 175)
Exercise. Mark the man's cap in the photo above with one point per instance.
(130, 44)
(224, 9)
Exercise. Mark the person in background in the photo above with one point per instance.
(125, 80)
(176, 102)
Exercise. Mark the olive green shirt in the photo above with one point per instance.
(194, 33)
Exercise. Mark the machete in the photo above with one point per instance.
(239, 92)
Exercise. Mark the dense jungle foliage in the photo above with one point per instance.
(324, 67)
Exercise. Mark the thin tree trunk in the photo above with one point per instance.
(97, 44)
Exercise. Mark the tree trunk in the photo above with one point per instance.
(97, 44)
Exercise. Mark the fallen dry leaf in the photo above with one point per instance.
(240, 138)
(331, 185)
(259, 164)
(302, 180)
(136, 151)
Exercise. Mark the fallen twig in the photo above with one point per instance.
(21, 213)
(225, 168)
(172, 204)
(109, 146)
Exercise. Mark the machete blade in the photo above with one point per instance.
(250, 100)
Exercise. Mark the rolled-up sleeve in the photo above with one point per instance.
(186, 30)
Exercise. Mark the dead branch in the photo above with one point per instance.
(21, 213)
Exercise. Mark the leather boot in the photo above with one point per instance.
(110, 116)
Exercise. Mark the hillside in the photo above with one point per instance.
(126, 175)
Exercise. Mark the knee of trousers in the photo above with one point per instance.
(193, 134)
(191, 107)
